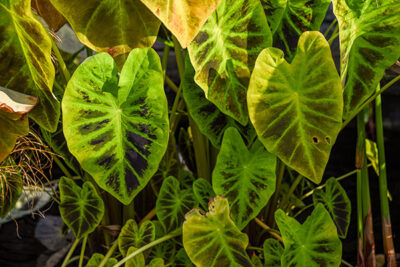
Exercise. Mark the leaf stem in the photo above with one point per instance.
(179, 57)
(109, 253)
(286, 198)
(171, 84)
(62, 167)
(273, 203)
(61, 63)
(303, 209)
(268, 229)
(83, 251)
(148, 216)
(70, 252)
(330, 27)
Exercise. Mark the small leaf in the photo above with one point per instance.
(212, 239)
(81, 208)
(49, 13)
(132, 235)
(157, 262)
(173, 203)
(203, 192)
(117, 130)
(337, 203)
(96, 259)
(275, 11)
(137, 261)
(224, 52)
(273, 251)
(182, 259)
(296, 108)
(372, 154)
(256, 261)
(246, 177)
(313, 243)
(10, 188)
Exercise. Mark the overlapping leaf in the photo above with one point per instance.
(96, 259)
(224, 52)
(10, 187)
(311, 244)
(182, 259)
(296, 108)
(273, 251)
(25, 60)
(369, 43)
(245, 177)
(203, 191)
(81, 208)
(113, 26)
(49, 13)
(183, 18)
(118, 131)
(132, 235)
(213, 240)
(337, 203)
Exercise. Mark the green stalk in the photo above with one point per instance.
(64, 70)
(286, 199)
(360, 138)
(83, 251)
(330, 27)
(385, 213)
(201, 151)
(109, 254)
(179, 57)
(273, 202)
(62, 167)
(70, 252)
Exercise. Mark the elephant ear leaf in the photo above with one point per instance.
(97, 258)
(184, 18)
(132, 235)
(25, 60)
(240, 173)
(273, 251)
(337, 203)
(296, 108)
(213, 239)
(81, 208)
(203, 191)
(117, 130)
(224, 52)
(10, 187)
(369, 34)
(49, 13)
(313, 243)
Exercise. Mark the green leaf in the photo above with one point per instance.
(117, 130)
(203, 192)
(337, 203)
(165, 250)
(115, 27)
(372, 154)
(210, 120)
(173, 203)
(96, 259)
(224, 52)
(296, 108)
(273, 251)
(137, 261)
(25, 60)
(311, 244)
(184, 18)
(212, 239)
(256, 261)
(246, 177)
(182, 259)
(81, 208)
(10, 187)
(132, 235)
(369, 43)
(275, 11)
(157, 262)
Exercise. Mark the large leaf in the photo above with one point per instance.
(81, 208)
(311, 244)
(224, 52)
(245, 176)
(369, 43)
(25, 60)
(203, 191)
(49, 13)
(288, 19)
(296, 108)
(132, 235)
(173, 203)
(337, 203)
(210, 120)
(213, 239)
(113, 26)
(118, 131)
(10, 187)
(183, 18)
(96, 259)
(273, 251)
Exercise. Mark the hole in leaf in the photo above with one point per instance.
(315, 140)
(328, 140)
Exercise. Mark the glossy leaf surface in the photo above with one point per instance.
(81, 208)
(203, 191)
(10, 188)
(296, 108)
(96, 259)
(273, 251)
(224, 52)
(337, 203)
(132, 235)
(212, 239)
(245, 177)
(311, 244)
(49, 13)
(117, 130)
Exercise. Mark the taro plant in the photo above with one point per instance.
(221, 171)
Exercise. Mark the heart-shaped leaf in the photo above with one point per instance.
(173, 203)
(25, 60)
(224, 52)
(49, 13)
(337, 203)
(274, 10)
(115, 27)
(157, 262)
(137, 261)
(245, 177)
(203, 192)
(132, 235)
(81, 208)
(96, 259)
(118, 131)
(369, 43)
(296, 108)
(273, 251)
(313, 243)
(183, 18)
(213, 239)
(10, 187)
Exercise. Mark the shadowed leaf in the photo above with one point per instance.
(132, 235)
(203, 191)
(182, 259)
(49, 13)
(273, 251)
(96, 259)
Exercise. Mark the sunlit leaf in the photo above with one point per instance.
(117, 130)
(311, 244)
(132, 235)
(212, 239)
(296, 108)
(275, 11)
(10, 187)
(96, 259)
(157, 262)
(372, 153)
(49, 13)
(173, 203)
(137, 261)
(337, 203)
(273, 251)
(183, 18)
(81, 208)
(115, 27)
(224, 52)
(203, 192)
(246, 177)
(25, 60)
